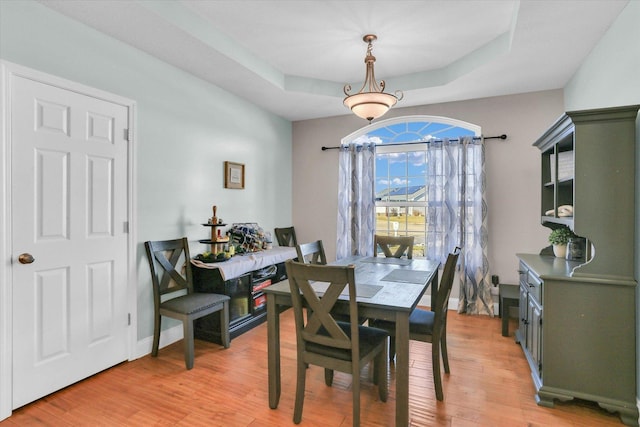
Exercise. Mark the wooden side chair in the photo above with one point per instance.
(311, 253)
(324, 341)
(286, 236)
(393, 246)
(430, 326)
(170, 281)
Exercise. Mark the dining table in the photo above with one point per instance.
(386, 288)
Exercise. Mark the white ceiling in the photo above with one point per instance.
(294, 57)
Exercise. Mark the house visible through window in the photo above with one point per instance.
(401, 172)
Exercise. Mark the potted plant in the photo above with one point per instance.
(559, 238)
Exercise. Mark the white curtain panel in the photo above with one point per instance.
(356, 206)
(457, 216)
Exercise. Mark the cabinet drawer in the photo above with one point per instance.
(523, 272)
(535, 287)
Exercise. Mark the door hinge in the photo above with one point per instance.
(128, 319)
(125, 227)
(126, 135)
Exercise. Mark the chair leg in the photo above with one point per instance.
(297, 410)
(373, 367)
(445, 357)
(380, 367)
(187, 326)
(355, 389)
(392, 347)
(156, 334)
(328, 376)
(435, 361)
(224, 325)
(309, 313)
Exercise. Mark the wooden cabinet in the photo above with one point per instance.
(558, 172)
(578, 319)
(600, 146)
(578, 336)
(529, 332)
(247, 307)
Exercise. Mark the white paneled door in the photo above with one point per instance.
(69, 236)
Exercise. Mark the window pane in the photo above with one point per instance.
(401, 182)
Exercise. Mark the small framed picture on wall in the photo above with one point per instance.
(234, 175)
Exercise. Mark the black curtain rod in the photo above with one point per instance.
(503, 136)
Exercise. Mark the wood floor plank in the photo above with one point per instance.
(489, 385)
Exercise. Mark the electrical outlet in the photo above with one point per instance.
(495, 279)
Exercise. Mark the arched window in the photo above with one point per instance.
(424, 177)
(401, 170)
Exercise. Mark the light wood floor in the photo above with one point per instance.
(489, 385)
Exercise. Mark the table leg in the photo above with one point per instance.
(402, 369)
(273, 351)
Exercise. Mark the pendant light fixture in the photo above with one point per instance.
(375, 102)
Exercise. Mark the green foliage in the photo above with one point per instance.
(561, 236)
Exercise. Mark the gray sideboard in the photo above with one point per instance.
(578, 319)
(578, 335)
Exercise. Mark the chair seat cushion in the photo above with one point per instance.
(420, 322)
(369, 339)
(192, 303)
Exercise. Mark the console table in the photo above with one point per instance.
(243, 278)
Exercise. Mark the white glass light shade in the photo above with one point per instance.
(370, 105)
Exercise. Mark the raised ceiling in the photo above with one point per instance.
(294, 57)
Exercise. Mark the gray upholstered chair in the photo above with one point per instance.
(393, 246)
(286, 236)
(430, 326)
(324, 341)
(173, 294)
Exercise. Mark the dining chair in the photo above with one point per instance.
(430, 325)
(330, 343)
(173, 294)
(286, 236)
(393, 246)
(311, 253)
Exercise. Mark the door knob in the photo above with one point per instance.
(25, 258)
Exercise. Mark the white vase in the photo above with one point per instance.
(560, 250)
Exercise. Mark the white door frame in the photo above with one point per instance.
(7, 72)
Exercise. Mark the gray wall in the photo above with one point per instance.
(610, 76)
(186, 129)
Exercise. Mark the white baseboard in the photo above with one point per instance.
(167, 337)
